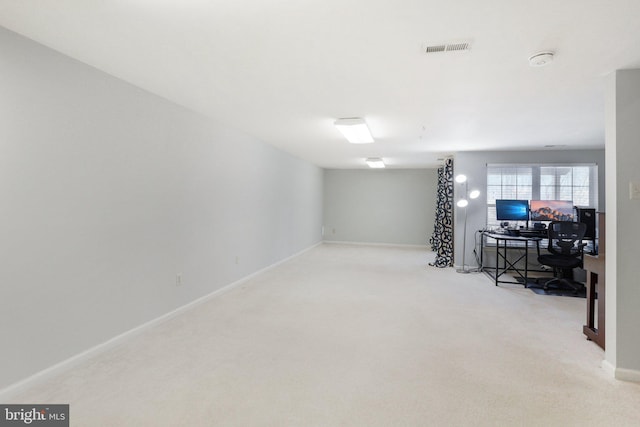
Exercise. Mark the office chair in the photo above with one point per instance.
(565, 252)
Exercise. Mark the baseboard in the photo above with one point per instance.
(621, 373)
(609, 368)
(15, 388)
(393, 245)
(474, 268)
(627, 375)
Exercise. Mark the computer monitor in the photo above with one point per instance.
(551, 210)
(512, 210)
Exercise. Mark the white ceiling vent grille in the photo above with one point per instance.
(434, 49)
(447, 47)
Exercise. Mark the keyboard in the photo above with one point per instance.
(533, 232)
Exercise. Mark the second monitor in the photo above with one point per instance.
(552, 210)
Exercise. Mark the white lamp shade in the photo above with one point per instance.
(355, 130)
(462, 203)
(461, 178)
(474, 194)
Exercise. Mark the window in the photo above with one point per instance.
(578, 183)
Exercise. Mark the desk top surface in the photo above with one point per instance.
(500, 236)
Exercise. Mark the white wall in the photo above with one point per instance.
(108, 192)
(474, 165)
(623, 234)
(380, 206)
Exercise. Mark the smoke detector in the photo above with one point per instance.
(541, 59)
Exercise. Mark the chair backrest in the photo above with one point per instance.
(565, 237)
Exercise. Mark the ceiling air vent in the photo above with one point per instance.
(434, 49)
(448, 47)
(457, 46)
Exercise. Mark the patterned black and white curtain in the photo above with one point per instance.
(442, 238)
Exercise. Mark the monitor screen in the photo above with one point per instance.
(512, 210)
(552, 210)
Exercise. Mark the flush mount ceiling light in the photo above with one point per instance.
(375, 162)
(355, 130)
(541, 59)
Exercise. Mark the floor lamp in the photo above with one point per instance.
(462, 204)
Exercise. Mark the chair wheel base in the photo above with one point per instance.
(563, 284)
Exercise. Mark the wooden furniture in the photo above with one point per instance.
(596, 289)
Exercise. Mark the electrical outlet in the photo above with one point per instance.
(634, 190)
(237, 259)
(179, 279)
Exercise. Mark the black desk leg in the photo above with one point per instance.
(497, 258)
(526, 263)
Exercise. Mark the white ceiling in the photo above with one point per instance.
(284, 70)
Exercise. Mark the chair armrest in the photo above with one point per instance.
(581, 247)
(537, 240)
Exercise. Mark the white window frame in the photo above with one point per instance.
(536, 184)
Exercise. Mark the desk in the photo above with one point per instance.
(505, 243)
(595, 266)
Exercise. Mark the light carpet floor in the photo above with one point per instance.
(347, 335)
